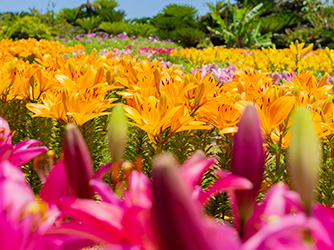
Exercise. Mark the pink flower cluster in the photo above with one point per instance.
(167, 213)
(149, 52)
(222, 75)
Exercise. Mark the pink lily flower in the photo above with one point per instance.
(75, 170)
(178, 219)
(79, 166)
(248, 162)
(129, 221)
(24, 221)
(288, 219)
(280, 222)
(51, 191)
(19, 153)
(168, 213)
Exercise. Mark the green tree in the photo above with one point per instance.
(90, 7)
(239, 26)
(175, 17)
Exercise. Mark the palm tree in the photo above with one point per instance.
(89, 7)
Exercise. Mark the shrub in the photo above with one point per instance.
(189, 37)
(113, 28)
(107, 11)
(70, 15)
(140, 29)
(174, 17)
(89, 24)
(239, 26)
(26, 27)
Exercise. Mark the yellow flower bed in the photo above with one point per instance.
(161, 99)
(293, 59)
(31, 46)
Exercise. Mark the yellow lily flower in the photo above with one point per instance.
(153, 116)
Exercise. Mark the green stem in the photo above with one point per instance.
(278, 154)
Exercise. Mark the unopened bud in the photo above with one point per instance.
(296, 91)
(32, 81)
(323, 80)
(305, 156)
(162, 103)
(157, 77)
(71, 66)
(118, 129)
(85, 69)
(108, 76)
(137, 101)
(99, 74)
(186, 80)
(199, 93)
(240, 87)
(328, 104)
(78, 163)
(237, 97)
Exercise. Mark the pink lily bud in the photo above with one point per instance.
(177, 218)
(305, 156)
(78, 163)
(248, 161)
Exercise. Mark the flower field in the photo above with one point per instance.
(136, 143)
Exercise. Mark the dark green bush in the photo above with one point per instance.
(174, 17)
(188, 37)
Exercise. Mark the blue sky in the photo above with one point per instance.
(133, 8)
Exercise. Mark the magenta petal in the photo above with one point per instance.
(104, 191)
(138, 227)
(123, 246)
(194, 168)
(325, 216)
(22, 145)
(279, 201)
(140, 191)
(15, 192)
(78, 164)
(222, 236)
(99, 222)
(177, 218)
(248, 159)
(228, 183)
(51, 191)
(102, 171)
(66, 242)
(5, 151)
(287, 233)
(21, 156)
(18, 234)
(5, 137)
